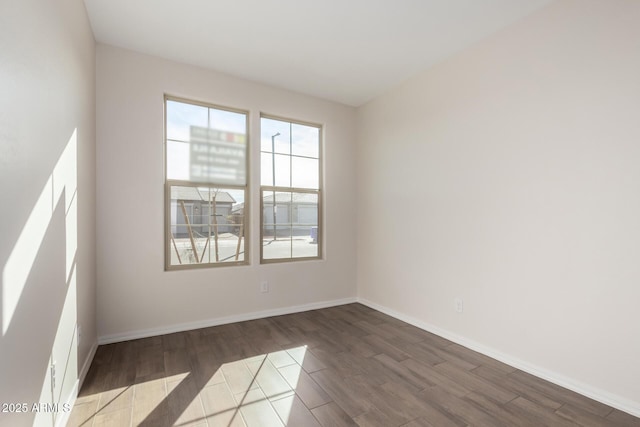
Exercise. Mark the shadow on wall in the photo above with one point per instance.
(38, 309)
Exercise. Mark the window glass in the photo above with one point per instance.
(206, 178)
(291, 226)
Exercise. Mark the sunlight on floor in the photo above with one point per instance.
(257, 391)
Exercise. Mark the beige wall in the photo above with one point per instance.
(509, 176)
(47, 188)
(135, 295)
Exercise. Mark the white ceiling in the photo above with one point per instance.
(347, 51)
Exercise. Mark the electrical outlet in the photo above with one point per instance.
(264, 287)
(458, 304)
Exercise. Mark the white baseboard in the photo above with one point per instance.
(86, 365)
(144, 333)
(594, 393)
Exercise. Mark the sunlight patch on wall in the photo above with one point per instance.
(61, 182)
(63, 353)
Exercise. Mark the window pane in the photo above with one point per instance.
(266, 171)
(207, 225)
(303, 244)
(304, 209)
(279, 248)
(180, 118)
(304, 225)
(305, 140)
(276, 232)
(305, 173)
(283, 170)
(227, 121)
(295, 228)
(282, 212)
(276, 133)
(177, 160)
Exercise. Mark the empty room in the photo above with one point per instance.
(338, 213)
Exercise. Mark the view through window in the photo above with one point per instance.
(290, 190)
(206, 184)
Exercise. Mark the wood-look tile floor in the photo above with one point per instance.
(341, 366)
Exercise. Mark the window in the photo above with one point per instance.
(206, 185)
(291, 226)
